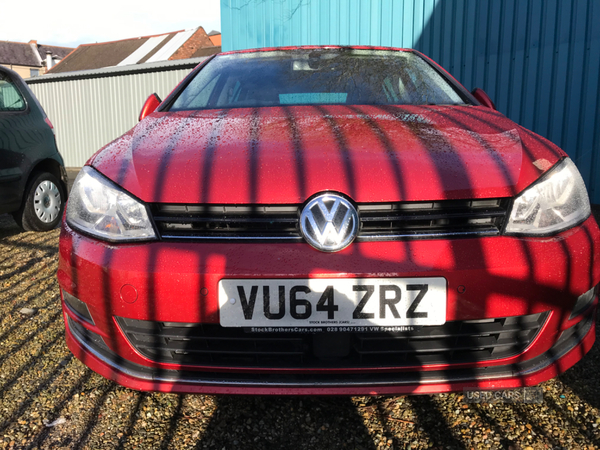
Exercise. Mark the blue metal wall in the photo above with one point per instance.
(539, 60)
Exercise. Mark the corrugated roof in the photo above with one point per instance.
(116, 71)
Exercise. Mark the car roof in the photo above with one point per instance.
(24, 88)
(317, 47)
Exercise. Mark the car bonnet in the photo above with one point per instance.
(284, 155)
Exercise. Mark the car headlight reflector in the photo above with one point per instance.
(556, 203)
(99, 207)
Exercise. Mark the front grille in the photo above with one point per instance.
(378, 221)
(215, 222)
(391, 221)
(211, 345)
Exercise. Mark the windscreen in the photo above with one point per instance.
(308, 77)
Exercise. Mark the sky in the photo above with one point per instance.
(69, 23)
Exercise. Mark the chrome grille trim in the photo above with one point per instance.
(397, 237)
(235, 238)
(378, 221)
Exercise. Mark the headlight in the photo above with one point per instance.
(99, 207)
(557, 202)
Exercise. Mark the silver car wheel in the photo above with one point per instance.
(46, 201)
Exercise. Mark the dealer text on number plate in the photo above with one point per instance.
(332, 302)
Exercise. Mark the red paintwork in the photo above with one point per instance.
(124, 379)
(284, 156)
(150, 105)
(503, 276)
(441, 152)
(483, 98)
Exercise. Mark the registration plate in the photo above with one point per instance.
(333, 303)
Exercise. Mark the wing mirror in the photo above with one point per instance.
(150, 105)
(483, 98)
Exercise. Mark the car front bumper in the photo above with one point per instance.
(177, 282)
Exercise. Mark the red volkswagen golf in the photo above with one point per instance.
(328, 220)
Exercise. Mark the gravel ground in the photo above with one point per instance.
(42, 384)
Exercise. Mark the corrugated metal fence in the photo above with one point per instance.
(91, 108)
(539, 60)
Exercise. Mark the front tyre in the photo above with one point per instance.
(44, 202)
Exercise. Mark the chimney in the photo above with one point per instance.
(49, 60)
(36, 54)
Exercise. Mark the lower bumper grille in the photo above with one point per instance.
(214, 346)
